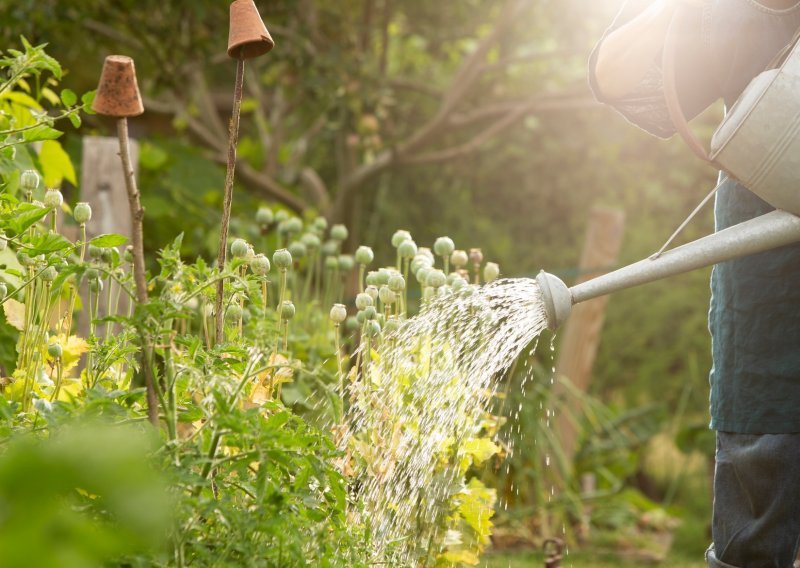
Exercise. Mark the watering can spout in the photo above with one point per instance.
(773, 230)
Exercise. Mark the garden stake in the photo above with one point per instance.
(247, 38)
(118, 96)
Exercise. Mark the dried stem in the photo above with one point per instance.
(233, 140)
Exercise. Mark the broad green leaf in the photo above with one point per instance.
(22, 99)
(481, 449)
(48, 243)
(56, 164)
(75, 119)
(15, 313)
(25, 215)
(51, 96)
(87, 99)
(109, 240)
(68, 97)
(41, 132)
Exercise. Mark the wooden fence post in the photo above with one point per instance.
(581, 333)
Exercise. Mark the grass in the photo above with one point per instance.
(582, 560)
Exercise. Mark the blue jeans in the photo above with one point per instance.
(756, 522)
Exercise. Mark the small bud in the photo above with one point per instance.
(436, 279)
(363, 300)
(372, 278)
(407, 249)
(475, 256)
(330, 248)
(444, 246)
(105, 255)
(338, 313)
(364, 255)
(264, 216)
(399, 237)
(383, 277)
(82, 213)
(370, 312)
(95, 251)
(351, 323)
(491, 271)
(281, 216)
(419, 261)
(320, 223)
(386, 295)
(339, 233)
(422, 274)
(48, 274)
(287, 310)
(127, 256)
(298, 250)
(392, 325)
(397, 283)
(3, 290)
(24, 258)
(96, 285)
(458, 283)
(282, 258)
(55, 351)
(29, 180)
(332, 263)
(234, 313)
(425, 251)
(459, 258)
(53, 199)
(346, 262)
(92, 274)
(311, 241)
(372, 329)
(260, 265)
(294, 225)
(239, 248)
(360, 317)
(372, 291)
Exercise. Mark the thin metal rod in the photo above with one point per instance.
(233, 140)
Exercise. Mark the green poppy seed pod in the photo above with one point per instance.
(397, 283)
(320, 223)
(425, 251)
(491, 271)
(386, 295)
(364, 255)
(281, 216)
(264, 216)
(370, 312)
(3, 290)
(95, 251)
(105, 255)
(436, 279)
(372, 329)
(294, 225)
(363, 300)
(92, 274)
(55, 351)
(96, 285)
(339, 233)
(458, 283)
(298, 250)
(420, 261)
(346, 262)
(3, 241)
(82, 213)
(287, 310)
(383, 277)
(234, 313)
(53, 199)
(444, 246)
(422, 274)
(338, 313)
(48, 274)
(29, 180)
(475, 256)
(452, 277)
(428, 293)
(24, 258)
(361, 317)
(459, 258)
(399, 237)
(467, 291)
(332, 263)
(282, 258)
(239, 248)
(372, 278)
(311, 241)
(260, 265)
(391, 325)
(127, 256)
(351, 323)
(372, 291)
(283, 227)
(407, 249)
(330, 248)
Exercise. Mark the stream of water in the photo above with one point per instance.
(430, 390)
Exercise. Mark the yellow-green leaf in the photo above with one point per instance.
(56, 165)
(480, 449)
(15, 314)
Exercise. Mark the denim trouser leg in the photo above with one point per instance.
(756, 520)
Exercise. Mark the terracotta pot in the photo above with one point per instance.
(118, 92)
(248, 36)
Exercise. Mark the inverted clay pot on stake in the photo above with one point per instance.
(247, 38)
(118, 96)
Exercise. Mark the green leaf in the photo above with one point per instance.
(41, 132)
(25, 215)
(68, 97)
(87, 99)
(56, 164)
(75, 119)
(109, 240)
(48, 243)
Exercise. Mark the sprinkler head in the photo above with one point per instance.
(556, 297)
(118, 92)
(248, 36)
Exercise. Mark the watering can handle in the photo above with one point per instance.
(671, 90)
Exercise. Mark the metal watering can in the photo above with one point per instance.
(758, 144)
